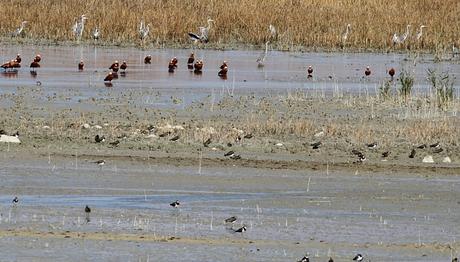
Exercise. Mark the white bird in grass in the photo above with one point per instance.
(203, 35)
(96, 33)
(400, 39)
(20, 29)
(346, 33)
(143, 30)
(272, 30)
(420, 33)
(79, 27)
(261, 58)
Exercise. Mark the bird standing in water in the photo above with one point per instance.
(20, 29)
(190, 61)
(87, 212)
(81, 65)
(367, 72)
(223, 70)
(148, 59)
(310, 71)
(391, 72)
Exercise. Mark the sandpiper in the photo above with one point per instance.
(241, 229)
(99, 139)
(229, 153)
(412, 153)
(175, 204)
(358, 257)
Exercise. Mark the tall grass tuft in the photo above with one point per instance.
(406, 81)
(443, 86)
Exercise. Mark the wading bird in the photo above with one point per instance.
(455, 51)
(34, 65)
(109, 77)
(148, 59)
(261, 59)
(123, 66)
(143, 30)
(20, 29)
(203, 35)
(79, 27)
(81, 65)
(420, 33)
(272, 31)
(400, 39)
(345, 34)
(96, 33)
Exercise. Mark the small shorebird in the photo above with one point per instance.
(422, 146)
(367, 72)
(207, 142)
(100, 162)
(229, 153)
(81, 65)
(310, 71)
(248, 136)
(391, 72)
(386, 154)
(87, 212)
(172, 65)
(358, 258)
(20, 29)
(175, 138)
(148, 59)
(435, 145)
(412, 153)
(203, 35)
(231, 219)
(372, 145)
(15, 201)
(304, 259)
(315, 145)
(437, 150)
(190, 61)
(99, 139)
(241, 230)
(175, 204)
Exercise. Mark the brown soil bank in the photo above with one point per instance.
(315, 24)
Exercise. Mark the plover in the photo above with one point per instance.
(231, 219)
(412, 153)
(99, 139)
(315, 145)
(175, 204)
(241, 229)
(229, 153)
(435, 145)
(358, 257)
(15, 201)
(372, 145)
(304, 259)
(207, 142)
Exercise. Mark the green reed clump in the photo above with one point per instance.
(406, 81)
(443, 86)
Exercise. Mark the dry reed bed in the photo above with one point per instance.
(313, 24)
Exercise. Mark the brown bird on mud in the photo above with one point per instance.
(367, 72)
(310, 71)
(190, 60)
(198, 66)
(412, 153)
(109, 77)
(18, 58)
(171, 67)
(124, 66)
(391, 72)
(148, 59)
(81, 65)
(386, 154)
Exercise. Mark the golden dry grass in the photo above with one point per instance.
(313, 24)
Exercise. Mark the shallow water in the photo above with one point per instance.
(335, 73)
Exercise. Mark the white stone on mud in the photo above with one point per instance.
(279, 144)
(46, 127)
(86, 126)
(319, 134)
(9, 139)
(97, 126)
(446, 160)
(428, 159)
(152, 136)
